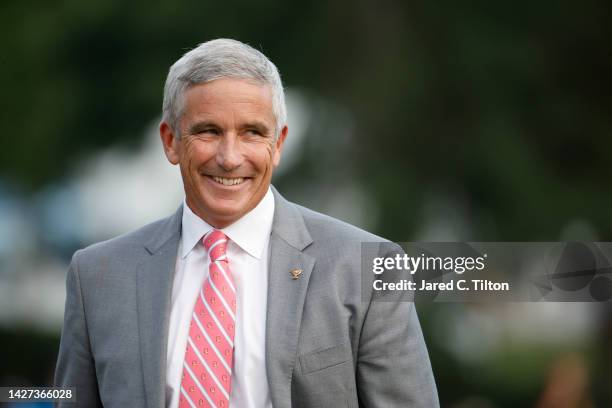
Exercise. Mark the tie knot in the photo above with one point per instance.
(215, 243)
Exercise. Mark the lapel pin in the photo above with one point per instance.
(295, 273)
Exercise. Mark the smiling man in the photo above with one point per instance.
(240, 298)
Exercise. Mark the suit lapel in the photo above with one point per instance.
(286, 296)
(154, 291)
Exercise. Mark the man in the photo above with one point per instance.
(240, 298)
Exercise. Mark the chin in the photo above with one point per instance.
(226, 212)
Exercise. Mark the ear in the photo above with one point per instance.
(279, 145)
(170, 142)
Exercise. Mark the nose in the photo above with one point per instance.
(229, 155)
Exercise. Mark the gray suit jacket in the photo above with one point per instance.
(327, 343)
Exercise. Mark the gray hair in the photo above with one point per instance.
(215, 59)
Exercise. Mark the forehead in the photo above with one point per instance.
(228, 96)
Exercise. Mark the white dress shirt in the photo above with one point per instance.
(247, 252)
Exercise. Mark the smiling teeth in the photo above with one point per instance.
(228, 181)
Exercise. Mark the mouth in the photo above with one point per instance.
(228, 181)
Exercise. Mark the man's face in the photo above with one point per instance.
(227, 148)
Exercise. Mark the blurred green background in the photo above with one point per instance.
(440, 121)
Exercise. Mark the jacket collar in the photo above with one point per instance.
(289, 224)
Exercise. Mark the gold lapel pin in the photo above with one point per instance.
(295, 273)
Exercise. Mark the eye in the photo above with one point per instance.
(208, 131)
(254, 132)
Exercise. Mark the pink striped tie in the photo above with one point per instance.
(207, 369)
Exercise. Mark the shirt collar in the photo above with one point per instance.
(251, 232)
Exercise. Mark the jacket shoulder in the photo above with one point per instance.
(321, 226)
(131, 245)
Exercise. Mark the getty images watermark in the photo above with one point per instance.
(488, 271)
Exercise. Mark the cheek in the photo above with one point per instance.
(196, 152)
(190, 161)
(261, 154)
